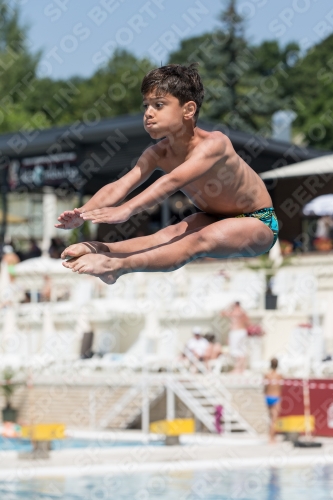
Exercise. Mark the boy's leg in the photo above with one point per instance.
(140, 243)
(274, 415)
(234, 237)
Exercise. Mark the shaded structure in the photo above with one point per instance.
(293, 187)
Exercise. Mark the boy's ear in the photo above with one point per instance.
(189, 110)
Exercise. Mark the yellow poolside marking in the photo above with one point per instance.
(294, 423)
(43, 432)
(174, 427)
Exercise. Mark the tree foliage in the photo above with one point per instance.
(240, 81)
(111, 91)
(310, 85)
(244, 83)
(17, 70)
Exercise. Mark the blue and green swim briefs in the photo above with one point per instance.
(268, 217)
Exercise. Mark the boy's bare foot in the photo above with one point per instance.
(98, 265)
(80, 249)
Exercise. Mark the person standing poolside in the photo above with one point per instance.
(236, 217)
(239, 323)
(273, 388)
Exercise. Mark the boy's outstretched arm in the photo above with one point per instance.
(211, 151)
(113, 193)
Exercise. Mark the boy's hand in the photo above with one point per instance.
(113, 215)
(69, 219)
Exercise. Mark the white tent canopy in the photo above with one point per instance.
(320, 206)
(316, 166)
(40, 266)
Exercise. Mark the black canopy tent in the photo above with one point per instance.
(83, 156)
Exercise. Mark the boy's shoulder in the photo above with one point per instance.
(214, 135)
(214, 139)
(213, 143)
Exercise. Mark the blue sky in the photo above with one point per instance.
(77, 36)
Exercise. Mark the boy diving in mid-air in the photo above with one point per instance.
(236, 219)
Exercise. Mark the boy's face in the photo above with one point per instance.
(163, 115)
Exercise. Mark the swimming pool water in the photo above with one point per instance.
(7, 444)
(250, 484)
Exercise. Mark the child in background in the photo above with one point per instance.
(273, 389)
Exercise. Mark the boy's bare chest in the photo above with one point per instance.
(170, 163)
(207, 179)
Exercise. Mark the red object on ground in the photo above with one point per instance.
(255, 331)
(218, 418)
(321, 402)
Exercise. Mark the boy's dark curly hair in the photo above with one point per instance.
(183, 82)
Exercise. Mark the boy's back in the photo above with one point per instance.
(273, 383)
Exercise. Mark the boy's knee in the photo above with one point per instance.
(202, 242)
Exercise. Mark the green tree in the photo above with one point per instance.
(310, 86)
(8, 386)
(195, 49)
(248, 86)
(29, 102)
(271, 58)
(17, 69)
(238, 77)
(113, 90)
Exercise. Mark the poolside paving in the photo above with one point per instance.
(204, 452)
